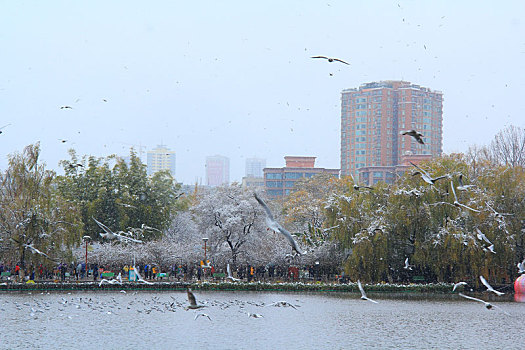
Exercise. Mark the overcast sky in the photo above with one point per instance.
(235, 78)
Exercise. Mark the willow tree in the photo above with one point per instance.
(33, 216)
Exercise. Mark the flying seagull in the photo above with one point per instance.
(139, 277)
(426, 176)
(282, 303)
(457, 203)
(230, 276)
(356, 186)
(458, 284)
(36, 251)
(462, 187)
(331, 59)
(407, 265)
(3, 127)
(363, 294)
(66, 107)
(487, 304)
(203, 315)
(112, 235)
(481, 236)
(274, 225)
(489, 287)
(192, 300)
(521, 266)
(415, 134)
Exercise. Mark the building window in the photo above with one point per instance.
(277, 176)
(274, 184)
(293, 175)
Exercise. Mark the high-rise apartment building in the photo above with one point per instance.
(161, 158)
(217, 170)
(255, 166)
(373, 117)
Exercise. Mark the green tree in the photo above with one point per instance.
(32, 214)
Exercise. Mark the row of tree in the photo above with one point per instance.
(370, 233)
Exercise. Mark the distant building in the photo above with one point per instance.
(217, 170)
(372, 118)
(254, 167)
(161, 158)
(279, 182)
(252, 182)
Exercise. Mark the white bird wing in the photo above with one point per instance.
(472, 298)
(363, 294)
(229, 271)
(274, 225)
(109, 234)
(421, 170)
(454, 191)
(467, 207)
(489, 287)
(139, 276)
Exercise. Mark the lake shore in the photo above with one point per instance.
(435, 288)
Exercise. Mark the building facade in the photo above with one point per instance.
(161, 158)
(373, 117)
(279, 182)
(254, 167)
(217, 170)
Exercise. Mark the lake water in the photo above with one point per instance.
(147, 320)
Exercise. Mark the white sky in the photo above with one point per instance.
(235, 78)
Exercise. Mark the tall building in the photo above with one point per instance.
(279, 182)
(161, 158)
(217, 170)
(372, 119)
(254, 167)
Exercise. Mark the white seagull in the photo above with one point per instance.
(192, 301)
(481, 236)
(521, 266)
(230, 276)
(36, 251)
(140, 279)
(203, 315)
(462, 187)
(487, 304)
(489, 287)
(407, 265)
(457, 203)
(458, 284)
(112, 235)
(363, 294)
(282, 303)
(275, 226)
(356, 186)
(426, 176)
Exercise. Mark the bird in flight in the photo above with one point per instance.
(487, 304)
(415, 134)
(407, 265)
(356, 186)
(230, 276)
(66, 107)
(457, 203)
(521, 266)
(331, 59)
(363, 294)
(462, 187)
(426, 176)
(489, 287)
(3, 127)
(192, 300)
(36, 251)
(458, 284)
(112, 235)
(203, 315)
(275, 226)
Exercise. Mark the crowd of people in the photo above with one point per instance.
(177, 272)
